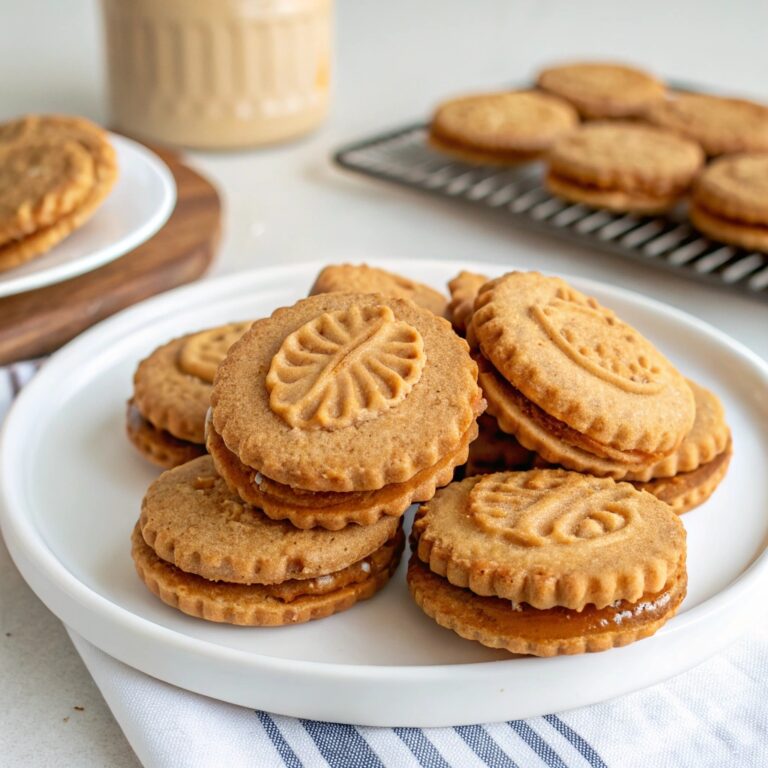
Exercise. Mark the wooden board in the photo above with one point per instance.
(38, 322)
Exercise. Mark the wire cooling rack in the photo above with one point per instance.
(404, 157)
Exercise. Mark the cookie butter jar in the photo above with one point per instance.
(217, 73)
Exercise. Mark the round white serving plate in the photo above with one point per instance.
(139, 204)
(72, 487)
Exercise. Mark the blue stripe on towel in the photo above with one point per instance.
(288, 756)
(341, 745)
(548, 755)
(423, 749)
(586, 749)
(481, 743)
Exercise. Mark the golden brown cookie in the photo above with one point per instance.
(591, 380)
(687, 490)
(623, 166)
(721, 125)
(172, 386)
(308, 509)
(291, 602)
(157, 445)
(464, 289)
(330, 394)
(495, 450)
(360, 278)
(191, 519)
(500, 128)
(40, 183)
(730, 201)
(57, 129)
(551, 538)
(518, 628)
(603, 89)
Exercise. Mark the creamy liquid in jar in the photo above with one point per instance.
(218, 73)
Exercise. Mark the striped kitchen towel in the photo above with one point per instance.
(712, 716)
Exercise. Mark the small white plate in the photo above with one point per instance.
(139, 204)
(72, 488)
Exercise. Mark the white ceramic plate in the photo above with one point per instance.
(72, 487)
(138, 205)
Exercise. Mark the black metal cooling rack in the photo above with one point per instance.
(404, 157)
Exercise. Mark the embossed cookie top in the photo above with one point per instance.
(581, 364)
(720, 125)
(523, 121)
(345, 367)
(191, 519)
(201, 353)
(346, 392)
(603, 89)
(550, 537)
(360, 278)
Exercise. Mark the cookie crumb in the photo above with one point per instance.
(79, 709)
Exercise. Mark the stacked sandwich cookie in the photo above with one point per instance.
(202, 550)
(318, 413)
(165, 417)
(317, 449)
(548, 562)
(55, 171)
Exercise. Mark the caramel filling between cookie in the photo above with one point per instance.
(441, 140)
(661, 188)
(288, 591)
(139, 425)
(561, 431)
(520, 620)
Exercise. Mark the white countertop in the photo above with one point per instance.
(394, 61)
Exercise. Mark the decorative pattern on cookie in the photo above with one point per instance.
(550, 538)
(202, 352)
(583, 366)
(369, 454)
(505, 127)
(721, 125)
(360, 278)
(603, 89)
(345, 367)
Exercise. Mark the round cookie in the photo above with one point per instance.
(623, 166)
(519, 628)
(172, 387)
(500, 128)
(551, 538)
(360, 278)
(57, 129)
(608, 389)
(463, 289)
(191, 519)
(310, 509)
(687, 490)
(721, 125)
(603, 89)
(329, 394)
(40, 183)
(292, 602)
(730, 201)
(157, 445)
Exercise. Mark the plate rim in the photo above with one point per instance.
(108, 253)
(20, 530)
